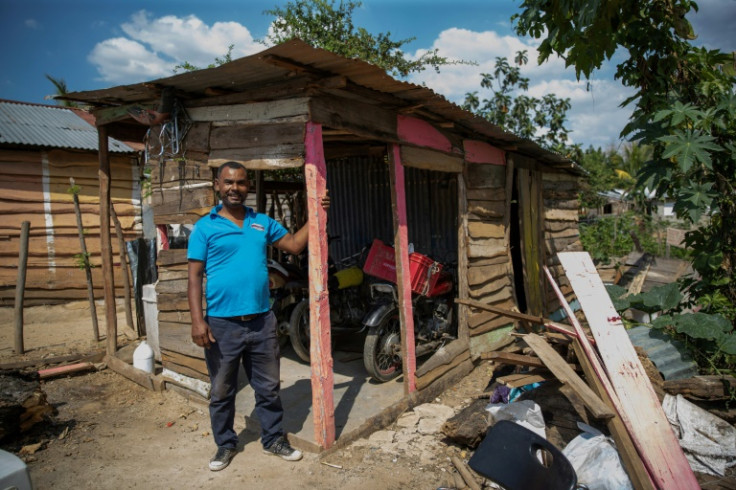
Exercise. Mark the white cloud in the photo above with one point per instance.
(32, 24)
(594, 118)
(120, 60)
(154, 46)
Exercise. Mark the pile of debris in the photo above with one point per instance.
(593, 407)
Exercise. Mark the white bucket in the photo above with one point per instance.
(143, 357)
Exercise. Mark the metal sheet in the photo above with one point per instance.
(49, 126)
(278, 63)
(361, 208)
(669, 355)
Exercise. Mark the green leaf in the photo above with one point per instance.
(702, 325)
(689, 148)
(679, 113)
(728, 343)
(663, 321)
(660, 298)
(616, 293)
(694, 201)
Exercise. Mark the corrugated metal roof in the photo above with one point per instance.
(49, 127)
(669, 355)
(294, 59)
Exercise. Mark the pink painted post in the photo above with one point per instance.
(323, 405)
(403, 281)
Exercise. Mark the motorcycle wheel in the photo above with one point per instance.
(299, 330)
(382, 350)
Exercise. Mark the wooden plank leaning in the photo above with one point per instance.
(638, 404)
(567, 376)
(594, 371)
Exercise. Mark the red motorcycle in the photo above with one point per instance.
(432, 301)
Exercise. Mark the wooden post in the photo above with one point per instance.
(463, 289)
(105, 244)
(260, 193)
(124, 268)
(85, 259)
(323, 405)
(20, 286)
(403, 279)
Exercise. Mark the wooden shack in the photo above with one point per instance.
(41, 148)
(499, 205)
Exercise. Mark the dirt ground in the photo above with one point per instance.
(111, 433)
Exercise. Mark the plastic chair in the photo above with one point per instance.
(508, 455)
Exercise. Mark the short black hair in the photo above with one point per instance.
(233, 165)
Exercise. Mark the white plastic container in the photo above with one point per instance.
(143, 357)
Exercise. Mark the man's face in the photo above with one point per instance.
(232, 185)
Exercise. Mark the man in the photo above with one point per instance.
(229, 246)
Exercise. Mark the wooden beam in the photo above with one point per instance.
(567, 376)
(255, 112)
(430, 159)
(403, 275)
(366, 120)
(639, 406)
(463, 289)
(482, 152)
(503, 357)
(315, 172)
(111, 317)
(419, 132)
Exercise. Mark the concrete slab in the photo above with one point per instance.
(357, 399)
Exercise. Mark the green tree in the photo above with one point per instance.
(542, 120)
(600, 166)
(61, 90)
(325, 25)
(684, 108)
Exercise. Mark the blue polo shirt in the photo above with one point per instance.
(234, 261)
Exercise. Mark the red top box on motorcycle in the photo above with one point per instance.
(381, 263)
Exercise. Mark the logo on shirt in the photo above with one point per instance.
(258, 227)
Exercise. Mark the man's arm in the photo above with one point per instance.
(295, 243)
(201, 333)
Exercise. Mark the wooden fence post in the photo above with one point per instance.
(124, 268)
(20, 286)
(85, 259)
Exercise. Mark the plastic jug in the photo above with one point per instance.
(143, 357)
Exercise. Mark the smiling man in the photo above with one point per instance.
(229, 246)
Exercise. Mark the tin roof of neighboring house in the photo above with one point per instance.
(37, 125)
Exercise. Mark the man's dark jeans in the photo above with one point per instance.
(255, 343)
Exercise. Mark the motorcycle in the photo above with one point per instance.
(434, 318)
(287, 284)
(348, 304)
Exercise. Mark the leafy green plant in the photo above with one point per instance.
(608, 237)
(710, 337)
(81, 261)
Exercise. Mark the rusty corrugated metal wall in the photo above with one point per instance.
(360, 191)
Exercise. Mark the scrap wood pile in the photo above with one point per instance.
(562, 380)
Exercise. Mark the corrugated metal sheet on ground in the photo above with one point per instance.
(669, 355)
(49, 127)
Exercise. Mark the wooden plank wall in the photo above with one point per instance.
(35, 188)
(489, 269)
(561, 232)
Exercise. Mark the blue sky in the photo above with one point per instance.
(94, 44)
